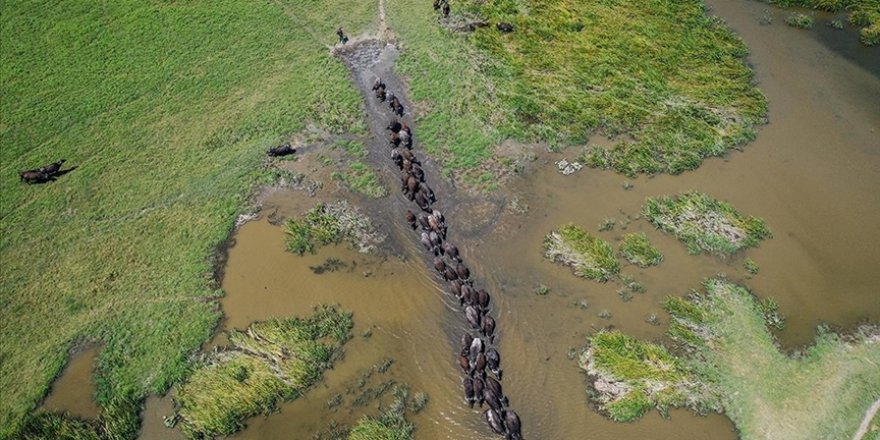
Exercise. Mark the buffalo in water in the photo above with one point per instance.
(423, 203)
(410, 219)
(493, 400)
(449, 274)
(466, 340)
(424, 221)
(394, 126)
(493, 417)
(395, 140)
(439, 265)
(397, 158)
(476, 348)
(469, 394)
(281, 150)
(409, 185)
(473, 317)
(454, 288)
(451, 251)
(483, 299)
(514, 427)
(479, 366)
(493, 362)
(489, 327)
(478, 390)
(395, 105)
(464, 363)
(462, 270)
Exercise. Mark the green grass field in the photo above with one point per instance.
(733, 365)
(166, 109)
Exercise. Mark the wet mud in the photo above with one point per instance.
(74, 390)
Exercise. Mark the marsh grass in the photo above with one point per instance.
(270, 362)
(733, 365)
(862, 13)
(391, 424)
(587, 255)
(705, 224)
(166, 109)
(46, 426)
(638, 250)
(799, 20)
(331, 223)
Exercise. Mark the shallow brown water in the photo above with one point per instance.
(813, 174)
(74, 390)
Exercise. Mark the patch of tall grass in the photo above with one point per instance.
(331, 223)
(638, 250)
(587, 255)
(269, 362)
(863, 13)
(732, 365)
(166, 109)
(705, 224)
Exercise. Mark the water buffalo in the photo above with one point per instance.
(406, 166)
(493, 400)
(493, 385)
(381, 95)
(408, 139)
(449, 273)
(466, 341)
(462, 271)
(410, 219)
(454, 288)
(467, 294)
(394, 126)
(476, 348)
(396, 106)
(451, 250)
(483, 299)
(423, 221)
(504, 27)
(478, 390)
(53, 168)
(473, 316)
(439, 265)
(426, 242)
(429, 193)
(489, 327)
(480, 366)
(394, 141)
(409, 186)
(464, 364)
(494, 420)
(35, 176)
(469, 394)
(397, 158)
(281, 150)
(378, 84)
(435, 240)
(493, 362)
(446, 10)
(423, 203)
(408, 155)
(418, 173)
(514, 428)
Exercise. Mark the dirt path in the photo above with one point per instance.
(866, 422)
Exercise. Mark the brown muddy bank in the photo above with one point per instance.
(74, 389)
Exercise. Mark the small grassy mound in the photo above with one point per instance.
(629, 377)
(588, 256)
(705, 224)
(331, 224)
(638, 250)
(799, 20)
(388, 426)
(270, 362)
(358, 176)
(50, 426)
(732, 365)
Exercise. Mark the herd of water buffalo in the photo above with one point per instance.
(478, 358)
(43, 174)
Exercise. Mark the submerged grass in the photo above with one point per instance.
(166, 110)
(268, 363)
(705, 224)
(588, 256)
(735, 366)
(637, 249)
(391, 424)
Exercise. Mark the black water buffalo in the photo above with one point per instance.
(473, 316)
(514, 428)
(483, 299)
(493, 362)
(493, 417)
(410, 219)
(394, 141)
(423, 221)
(426, 242)
(454, 288)
(53, 168)
(489, 327)
(408, 155)
(493, 400)
(469, 394)
(493, 385)
(476, 348)
(409, 186)
(418, 173)
(35, 176)
(429, 193)
(395, 105)
(397, 158)
(466, 341)
(451, 251)
(435, 239)
(464, 364)
(381, 95)
(423, 203)
(478, 390)
(504, 27)
(378, 84)
(281, 150)
(439, 265)
(462, 271)
(449, 274)
(394, 126)
(480, 366)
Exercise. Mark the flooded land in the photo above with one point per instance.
(812, 174)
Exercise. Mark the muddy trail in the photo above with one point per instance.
(390, 117)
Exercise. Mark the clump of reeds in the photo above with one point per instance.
(637, 249)
(588, 256)
(799, 20)
(705, 224)
(331, 223)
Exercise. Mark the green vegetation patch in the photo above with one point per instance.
(705, 224)
(361, 178)
(799, 20)
(166, 109)
(733, 366)
(862, 13)
(661, 72)
(270, 362)
(51, 426)
(331, 223)
(637, 249)
(588, 256)
(629, 377)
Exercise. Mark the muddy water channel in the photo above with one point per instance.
(813, 174)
